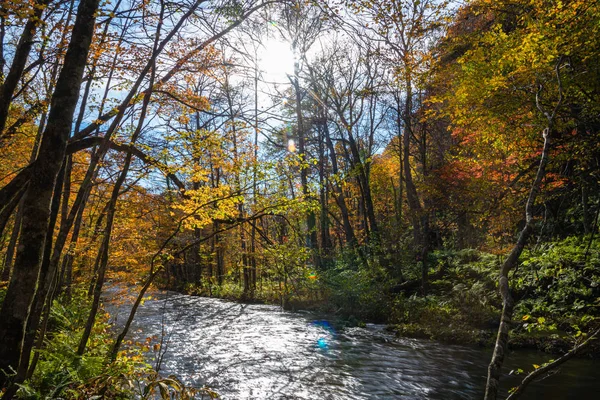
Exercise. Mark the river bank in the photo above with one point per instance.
(433, 324)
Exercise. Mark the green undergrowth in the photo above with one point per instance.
(555, 288)
(61, 373)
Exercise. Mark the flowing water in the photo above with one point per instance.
(260, 352)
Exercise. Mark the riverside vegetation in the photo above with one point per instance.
(420, 163)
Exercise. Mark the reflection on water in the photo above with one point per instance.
(259, 352)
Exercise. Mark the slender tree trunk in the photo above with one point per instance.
(115, 349)
(66, 271)
(12, 243)
(11, 247)
(400, 162)
(102, 263)
(20, 57)
(10, 251)
(494, 369)
(341, 199)
(419, 220)
(254, 176)
(365, 186)
(103, 253)
(42, 331)
(2, 36)
(311, 219)
(16, 187)
(102, 258)
(219, 256)
(324, 219)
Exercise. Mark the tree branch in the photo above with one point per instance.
(550, 366)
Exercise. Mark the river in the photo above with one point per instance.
(260, 352)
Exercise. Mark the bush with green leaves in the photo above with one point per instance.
(359, 290)
(557, 287)
(61, 373)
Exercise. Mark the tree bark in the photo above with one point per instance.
(46, 281)
(38, 195)
(494, 369)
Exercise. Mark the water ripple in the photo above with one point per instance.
(259, 352)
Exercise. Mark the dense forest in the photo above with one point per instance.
(427, 164)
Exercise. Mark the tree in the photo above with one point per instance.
(519, 53)
(38, 195)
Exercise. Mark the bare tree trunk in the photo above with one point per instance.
(115, 349)
(341, 199)
(325, 247)
(311, 220)
(491, 390)
(494, 370)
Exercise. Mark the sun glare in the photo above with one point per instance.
(276, 60)
(291, 146)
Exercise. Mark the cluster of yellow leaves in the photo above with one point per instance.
(206, 204)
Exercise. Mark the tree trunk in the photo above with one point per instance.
(115, 349)
(341, 199)
(420, 233)
(311, 219)
(38, 195)
(46, 279)
(20, 57)
(4, 218)
(10, 251)
(102, 258)
(324, 219)
(494, 370)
